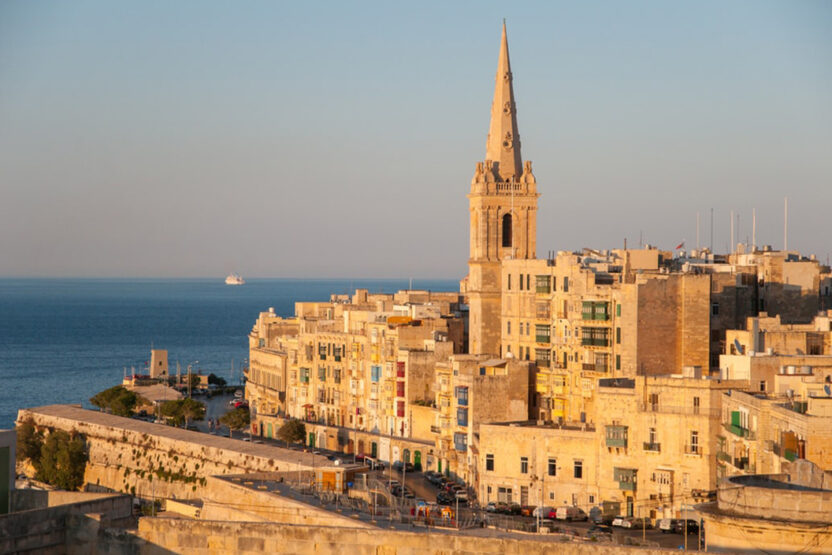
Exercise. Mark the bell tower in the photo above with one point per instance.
(503, 212)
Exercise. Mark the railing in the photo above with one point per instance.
(693, 450)
(723, 456)
(616, 436)
(595, 342)
(655, 447)
(740, 431)
(689, 410)
(542, 338)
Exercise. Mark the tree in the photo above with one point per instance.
(237, 419)
(292, 431)
(63, 460)
(29, 441)
(216, 380)
(117, 400)
(183, 411)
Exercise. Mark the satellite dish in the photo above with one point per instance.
(738, 346)
(828, 390)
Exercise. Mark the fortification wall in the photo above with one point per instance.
(203, 537)
(126, 456)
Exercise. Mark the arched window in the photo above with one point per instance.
(507, 230)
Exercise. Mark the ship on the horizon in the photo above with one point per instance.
(234, 279)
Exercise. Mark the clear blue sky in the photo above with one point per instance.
(161, 138)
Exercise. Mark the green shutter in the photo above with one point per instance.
(735, 418)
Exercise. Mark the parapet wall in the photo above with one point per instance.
(155, 461)
(760, 496)
(204, 537)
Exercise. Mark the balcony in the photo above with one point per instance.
(654, 447)
(740, 431)
(595, 342)
(435, 430)
(542, 339)
(723, 456)
(616, 436)
(693, 450)
(627, 486)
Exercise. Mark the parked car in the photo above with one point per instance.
(667, 525)
(443, 498)
(491, 507)
(619, 521)
(570, 513)
(636, 523)
(542, 512)
(513, 509)
(527, 510)
(679, 526)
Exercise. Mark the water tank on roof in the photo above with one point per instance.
(790, 370)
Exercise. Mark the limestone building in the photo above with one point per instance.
(503, 213)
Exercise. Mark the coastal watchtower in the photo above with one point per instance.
(503, 206)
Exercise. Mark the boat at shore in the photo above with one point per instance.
(234, 279)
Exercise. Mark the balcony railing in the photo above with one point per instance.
(693, 450)
(740, 431)
(655, 447)
(616, 436)
(542, 338)
(723, 456)
(627, 486)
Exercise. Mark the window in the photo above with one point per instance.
(618, 362)
(461, 395)
(489, 463)
(528, 281)
(304, 375)
(508, 327)
(322, 373)
(400, 369)
(521, 281)
(509, 282)
(763, 386)
(591, 499)
(400, 409)
(618, 310)
(460, 441)
(542, 284)
(399, 389)
(578, 471)
(507, 230)
(543, 357)
(322, 350)
(652, 435)
(524, 465)
(653, 401)
(553, 467)
(565, 284)
(714, 309)
(375, 373)
(462, 417)
(696, 405)
(618, 336)
(541, 332)
(694, 442)
(336, 375)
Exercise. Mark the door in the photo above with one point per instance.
(311, 439)
(417, 460)
(269, 430)
(374, 449)
(406, 456)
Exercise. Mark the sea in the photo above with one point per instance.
(64, 340)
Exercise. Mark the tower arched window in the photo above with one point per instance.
(507, 230)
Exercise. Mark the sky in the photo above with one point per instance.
(332, 139)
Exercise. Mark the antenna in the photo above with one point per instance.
(697, 231)
(712, 231)
(785, 223)
(753, 229)
(732, 245)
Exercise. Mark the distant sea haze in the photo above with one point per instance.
(63, 340)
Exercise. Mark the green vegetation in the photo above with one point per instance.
(183, 411)
(292, 431)
(59, 458)
(237, 419)
(213, 379)
(118, 400)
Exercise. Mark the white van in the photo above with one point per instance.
(570, 513)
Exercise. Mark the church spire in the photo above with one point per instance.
(503, 145)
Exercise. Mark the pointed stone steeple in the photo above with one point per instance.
(503, 145)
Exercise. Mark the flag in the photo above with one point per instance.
(680, 245)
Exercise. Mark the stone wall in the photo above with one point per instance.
(155, 461)
(52, 529)
(203, 537)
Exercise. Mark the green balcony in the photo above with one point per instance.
(616, 436)
(542, 338)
